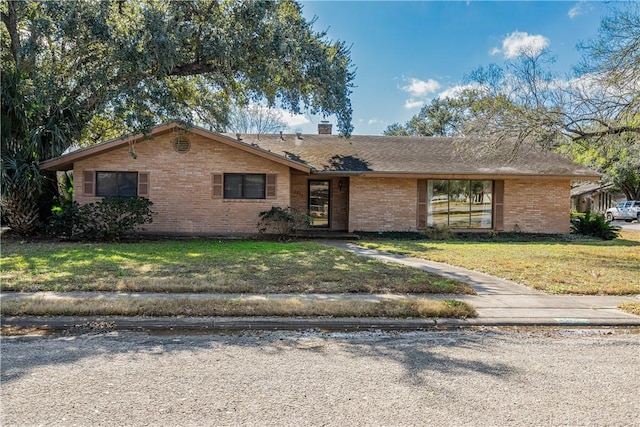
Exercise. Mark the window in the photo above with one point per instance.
(124, 184)
(244, 186)
(459, 203)
(319, 203)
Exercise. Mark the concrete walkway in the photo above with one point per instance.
(498, 302)
(503, 302)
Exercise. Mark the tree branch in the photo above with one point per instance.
(11, 22)
(192, 69)
(579, 135)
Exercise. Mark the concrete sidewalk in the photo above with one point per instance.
(503, 302)
(498, 302)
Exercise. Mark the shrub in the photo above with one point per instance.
(283, 222)
(108, 220)
(594, 225)
(438, 232)
(63, 218)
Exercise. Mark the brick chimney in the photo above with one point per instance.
(324, 128)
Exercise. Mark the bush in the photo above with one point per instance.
(594, 225)
(438, 232)
(63, 218)
(283, 222)
(108, 220)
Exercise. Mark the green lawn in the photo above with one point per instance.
(207, 266)
(570, 266)
(563, 265)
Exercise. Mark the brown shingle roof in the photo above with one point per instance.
(360, 154)
(414, 155)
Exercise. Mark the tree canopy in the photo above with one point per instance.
(442, 117)
(76, 72)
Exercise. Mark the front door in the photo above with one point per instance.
(319, 203)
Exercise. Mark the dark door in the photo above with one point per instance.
(319, 207)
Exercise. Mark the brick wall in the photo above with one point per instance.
(382, 204)
(537, 206)
(530, 206)
(339, 198)
(181, 184)
(181, 190)
(299, 191)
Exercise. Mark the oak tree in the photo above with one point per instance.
(75, 72)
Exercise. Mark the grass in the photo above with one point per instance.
(630, 307)
(287, 307)
(206, 266)
(562, 265)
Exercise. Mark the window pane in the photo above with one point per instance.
(106, 184)
(244, 186)
(127, 184)
(459, 203)
(438, 203)
(319, 203)
(232, 186)
(254, 186)
(481, 204)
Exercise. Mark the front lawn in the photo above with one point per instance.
(207, 266)
(562, 266)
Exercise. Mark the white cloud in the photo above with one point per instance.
(419, 90)
(294, 120)
(518, 43)
(374, 122)
(456, 91)
(417, 87)
(410, 104)
(576, 10)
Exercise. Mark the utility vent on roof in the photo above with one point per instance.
(181, 144)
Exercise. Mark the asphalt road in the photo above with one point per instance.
(628, 226)
(485, 377)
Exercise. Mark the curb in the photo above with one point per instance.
(235, 324)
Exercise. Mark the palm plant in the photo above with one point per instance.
(594, 225)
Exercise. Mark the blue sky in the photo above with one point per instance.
(407, 53)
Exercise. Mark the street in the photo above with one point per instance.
(475, 377)
(633, 226)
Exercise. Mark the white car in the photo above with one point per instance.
(627, 210)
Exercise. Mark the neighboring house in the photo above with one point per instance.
(594, 197)
(204, 183)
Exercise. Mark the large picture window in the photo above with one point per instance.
(244, 186)
(123, 184)
(459, 203)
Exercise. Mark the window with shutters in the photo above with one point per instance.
(122, 184)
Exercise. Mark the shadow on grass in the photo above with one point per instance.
(208, 266)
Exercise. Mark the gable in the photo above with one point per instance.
(172, 137)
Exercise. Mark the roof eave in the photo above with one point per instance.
(459, 175)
